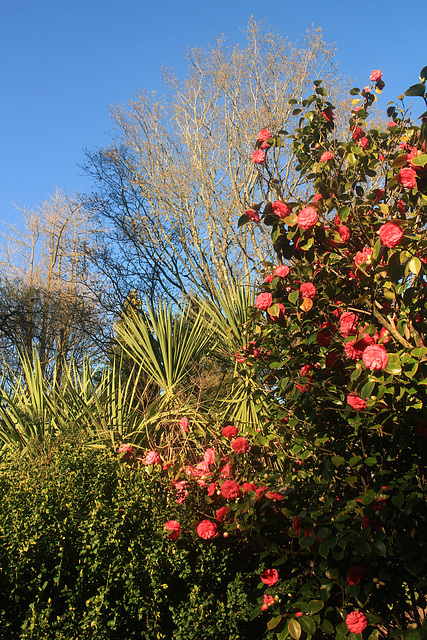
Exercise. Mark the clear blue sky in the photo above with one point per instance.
(63, 62)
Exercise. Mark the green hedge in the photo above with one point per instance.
(83, 555)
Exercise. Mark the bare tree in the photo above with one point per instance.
(178, 174)
(48, 292)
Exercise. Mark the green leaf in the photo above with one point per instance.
(293, 297)
(343, 213)
(337, 460)
(308, 624)
(355, 91)
(420, 161)
(294, 629)
(400, 161)
(398, 499)
(418, 352)
(243, 220)
(315, 606)
(380, 548)
(283, 634)
(393, 365)
(416, 90)
(273, 622)
(414, 265)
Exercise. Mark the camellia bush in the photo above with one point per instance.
(330, 492)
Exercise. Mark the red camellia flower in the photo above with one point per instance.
(375, 75)
(240, 445)
(326, 155)
(356, 401)
(357, 134)
(230, 431)
(252, 215)
(273, 495)
(356, 621)
(343, 232)
(281, 209)
(308, 290)
(263, 301)
(307, 218)
(281, 271)
(364, 143)
(207, 529)
(354, 575)
(267, 602)
(326, 334)
(269, 577)
(152, 457)
(328, 114)
(258, 157)
(364, 256)
(221, 513)
(375, 357)
(183, 423)
(209, 456)
(390, 234)
(263, 135)
(230, 490)
(248, 486)
(174, 529)
(407, 178)
(126, 450)
(348, 323)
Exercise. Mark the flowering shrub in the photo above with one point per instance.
(346, 439)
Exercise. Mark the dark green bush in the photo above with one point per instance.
(82, 555)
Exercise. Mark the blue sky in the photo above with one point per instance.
(63, 62)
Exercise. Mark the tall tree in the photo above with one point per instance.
(176, 177)
(47, 290)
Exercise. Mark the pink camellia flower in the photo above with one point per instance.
(407, 177)
(364, 256)
(212, 488)
(357, 134)
(375, 75)
(356, 621)
(343, 232)
(364, 143)
(307, 218)
(269, 577)
(281, 209)
(328, 114)
(267, 602)
(230, 490)
(348, 323)
(174, 529)
(392, 124)
(326, 155)
(230, 431)
(317, 198)
(308, 290)
(264, 145)
(225, 471)
(263, 301)
(126, 450)
(152, 457)
(221, 513)
(281, 271)
(356, 402)
(355, 348)
(209, 456)
(207, 530)
(240, 445)
(252, 215)
(391, 234)
(258, 157)
(248, 486)
(269, 278)
(183, 423)
(375, 357)
(354, 575)
(263, 135)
